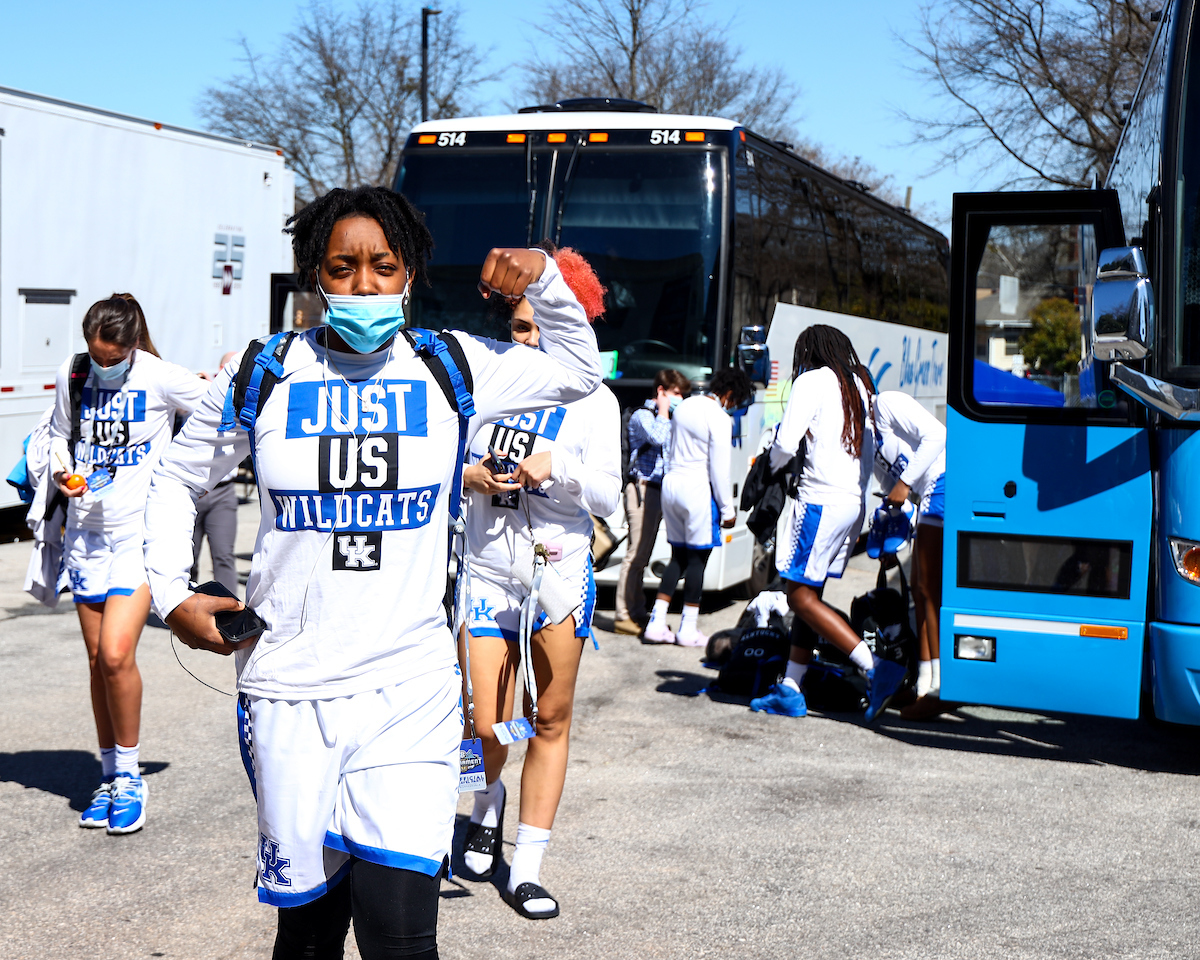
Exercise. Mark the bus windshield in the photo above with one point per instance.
(649, 222)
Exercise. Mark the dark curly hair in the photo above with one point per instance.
(824, 346)
(402, 224)
(733, 381)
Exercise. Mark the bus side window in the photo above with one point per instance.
(1032, 289)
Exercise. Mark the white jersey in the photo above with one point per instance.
(125, 426)
(701, 446)
(831, 473)
(356, 458)
(907, 430)
(584, 441)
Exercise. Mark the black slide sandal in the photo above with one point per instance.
(523, 894)
(481, 839)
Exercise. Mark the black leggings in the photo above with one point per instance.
(691, 564)
(394, 911)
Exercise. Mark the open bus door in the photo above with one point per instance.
(1048, 492)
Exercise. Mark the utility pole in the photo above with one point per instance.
(426, 13)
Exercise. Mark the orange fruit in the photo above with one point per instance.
(74, 481)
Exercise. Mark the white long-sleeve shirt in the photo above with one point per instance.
(584, 441)
(831, 474)
(129, 436)
(354, 477)
(701, 447)
(908, 430)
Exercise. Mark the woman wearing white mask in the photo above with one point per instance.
(103, 459)
(554, 468)
(349, 698)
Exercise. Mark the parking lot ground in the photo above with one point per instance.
(690, 828)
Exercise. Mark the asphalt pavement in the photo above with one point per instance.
(689, 828)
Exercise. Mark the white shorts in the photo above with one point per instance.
(690, 512)
(373, 775)
(814, 541)
(102, 565)
(496, 605)
(933, 504)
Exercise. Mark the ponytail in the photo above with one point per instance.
(119, 320)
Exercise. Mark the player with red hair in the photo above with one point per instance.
(534, 480)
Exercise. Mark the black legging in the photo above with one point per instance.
(691, 564)
(394, 911)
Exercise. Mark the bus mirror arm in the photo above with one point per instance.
(754, 359)
(1178, 403)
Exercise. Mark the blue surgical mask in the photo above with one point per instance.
(116, 372)
(365, 323)
(673, 403)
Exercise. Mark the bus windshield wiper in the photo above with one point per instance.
(566, 187)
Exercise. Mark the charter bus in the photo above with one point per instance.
(699, 228)
(1072, 532)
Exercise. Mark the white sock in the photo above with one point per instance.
(488, 803)
(108, 762)
(795, 674)
(936, 665)
(924, 677)
(659, 614)
(527, 862)
(687, 623)
(862, 657)
(127, 760)
(486, 812)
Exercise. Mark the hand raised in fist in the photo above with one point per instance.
(509, 270)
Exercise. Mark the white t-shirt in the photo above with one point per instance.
(908, 430)
(129, 425)
(354, 477)
(584, 440)
(832, 474)
(701, 446)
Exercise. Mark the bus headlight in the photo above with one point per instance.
(968, 647)
(1186, 554)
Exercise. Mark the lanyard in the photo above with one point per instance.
(462, 610)
(528, 618)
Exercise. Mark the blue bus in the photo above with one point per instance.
(1072, 545)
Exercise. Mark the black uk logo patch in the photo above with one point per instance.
(357, 551)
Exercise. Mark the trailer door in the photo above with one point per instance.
(1048, 486)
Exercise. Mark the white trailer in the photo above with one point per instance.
(93, 203)
(899, 357)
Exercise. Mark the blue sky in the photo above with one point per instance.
(154, 59)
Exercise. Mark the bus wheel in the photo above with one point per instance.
(762, 567)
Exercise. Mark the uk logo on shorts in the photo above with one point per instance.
(357, 551)
(271, 864)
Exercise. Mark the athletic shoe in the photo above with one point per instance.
(657, 631)
(631, 628)
(889, 531)
(882, 684)
(782, 700)
(96, 815)
(128, 812)
(691, 638)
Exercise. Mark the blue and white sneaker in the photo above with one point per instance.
(96, 815)
(128, 812)
(781, 700)
(882, 684)
(891, 525)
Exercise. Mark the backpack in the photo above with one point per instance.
(81, 365)
(880, 617)
(758, 659)
(628, 455)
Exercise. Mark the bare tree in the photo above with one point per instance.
(342, 91)
(1042, 83)
(659, 52)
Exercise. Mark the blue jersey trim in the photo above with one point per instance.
(246, 741)
(810, 523)
(98, 598)
(121, 592)
(299, 899)
(386, 858)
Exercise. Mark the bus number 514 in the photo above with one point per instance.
(664, 136)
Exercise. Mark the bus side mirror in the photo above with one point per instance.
(1122, 305)
(753, 356)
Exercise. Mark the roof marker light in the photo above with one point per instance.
(557, 138)
(743, 133)
(516, 138)
(427, 138)
(694, 136)
(597, 138)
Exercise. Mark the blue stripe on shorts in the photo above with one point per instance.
(937, 501)
(810, 522)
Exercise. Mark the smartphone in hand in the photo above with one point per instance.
(233, 625)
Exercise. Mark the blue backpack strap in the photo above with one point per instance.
(261, 368)
(444, 356)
